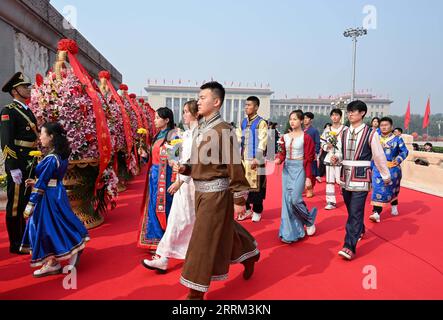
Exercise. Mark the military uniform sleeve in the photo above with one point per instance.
(7, 134)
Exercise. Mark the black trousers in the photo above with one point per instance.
(321, 164)
(355, 227)
(255, 199)
(15, 221)
(256, 203)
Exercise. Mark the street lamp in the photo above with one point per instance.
(342, 105)
(354, 33)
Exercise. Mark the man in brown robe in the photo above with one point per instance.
(221, 189)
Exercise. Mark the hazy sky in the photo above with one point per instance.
(296, 46)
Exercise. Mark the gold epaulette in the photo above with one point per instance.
(9, 152)
(11, 105)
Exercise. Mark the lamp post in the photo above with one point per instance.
(354, 33)
(342, 105)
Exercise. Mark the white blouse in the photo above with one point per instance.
(294, 147)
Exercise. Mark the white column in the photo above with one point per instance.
(180, 117)
(231, 117)
(241, 109)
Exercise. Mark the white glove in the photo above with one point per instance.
(17, 176)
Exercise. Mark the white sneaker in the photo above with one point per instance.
(394, 211)
(256, 217)
(310, 231)
(48, 270)
(157, 263)
(375, 217)
(330, 206)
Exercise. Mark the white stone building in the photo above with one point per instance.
(377, 107)
(174, 97)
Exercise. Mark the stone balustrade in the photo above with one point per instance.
(427, 179)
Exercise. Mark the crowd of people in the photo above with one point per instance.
(194, 202)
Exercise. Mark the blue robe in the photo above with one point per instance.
(53, 230)
(155, 214)
(395, 150)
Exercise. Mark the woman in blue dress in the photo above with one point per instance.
(53, 232)
(157, 201)
(297, 153)
(396, 152)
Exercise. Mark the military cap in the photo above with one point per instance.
(17, 80)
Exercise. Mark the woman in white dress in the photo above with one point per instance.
(175, 241)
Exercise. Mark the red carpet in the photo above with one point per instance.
(406, 251)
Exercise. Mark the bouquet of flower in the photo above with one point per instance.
(173, 149)
(3, 182)
(331, 138)
(66, 102)
(141, 142)
(36, 155)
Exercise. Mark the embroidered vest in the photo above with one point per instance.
(363, 152)
(253, 138)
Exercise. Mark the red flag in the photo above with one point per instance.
(408, 116)
(426, 120)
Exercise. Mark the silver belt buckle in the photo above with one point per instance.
(217, 185)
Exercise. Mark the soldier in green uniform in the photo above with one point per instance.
(18, 134)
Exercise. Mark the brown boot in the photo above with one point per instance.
(249, 266)
(195, 295)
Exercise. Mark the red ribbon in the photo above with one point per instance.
(103, 135)
(151, 114)
(139, 119)
(126, 121)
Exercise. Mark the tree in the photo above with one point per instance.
(414, 126)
